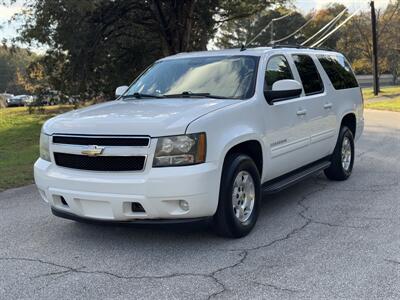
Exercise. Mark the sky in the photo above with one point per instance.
(9, 31)
(352, 5)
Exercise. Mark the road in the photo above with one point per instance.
(368, 80)
(318, 239)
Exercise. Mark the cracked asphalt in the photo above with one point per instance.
(319, 239)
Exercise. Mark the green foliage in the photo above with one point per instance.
(11, 60)
(19, 144)
(97, 45)
(357, 41)
(94, 45)
(322, 17)
(391, 105)
(386, 91)
(237, 32)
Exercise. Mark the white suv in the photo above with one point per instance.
(204, 135)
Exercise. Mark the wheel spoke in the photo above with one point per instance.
(346, 153)
(237, 212)
(243, 196)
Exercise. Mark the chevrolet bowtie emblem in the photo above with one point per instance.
(93, 150)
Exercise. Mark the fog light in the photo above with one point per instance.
(184, 205)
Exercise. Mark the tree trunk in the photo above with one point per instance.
(174, 19)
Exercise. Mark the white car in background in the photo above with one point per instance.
(6, 96)
(204, 135)
(20, 100)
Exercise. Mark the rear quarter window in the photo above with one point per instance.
(339, 71)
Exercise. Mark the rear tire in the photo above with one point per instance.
(239, 197)
(342, 159)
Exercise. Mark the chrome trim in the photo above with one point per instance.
(103, 136)
(93, 151)
(76, 149)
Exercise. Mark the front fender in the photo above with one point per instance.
(228, 127)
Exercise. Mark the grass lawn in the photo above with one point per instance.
(388, 98)
(19, 143)
(386, 91)
(392, 104)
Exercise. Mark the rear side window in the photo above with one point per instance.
(277, 69)
(312, 82)
(339, 71)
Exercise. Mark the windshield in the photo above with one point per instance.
(219, 76)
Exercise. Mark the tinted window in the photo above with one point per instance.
(224, 76)
(339, 71)
(312, 82)
(277, 69)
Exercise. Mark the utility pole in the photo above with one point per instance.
(374, 49)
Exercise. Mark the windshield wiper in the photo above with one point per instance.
(140, 95)
(193, 95)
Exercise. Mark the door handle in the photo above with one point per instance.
(301, 112)
(328, 106)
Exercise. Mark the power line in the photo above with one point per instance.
(294, 32)
(324, 38)
(269, 24)
(326, 27)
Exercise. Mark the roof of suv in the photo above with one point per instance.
(248, 51)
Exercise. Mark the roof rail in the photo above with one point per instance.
(289, 46)
(302, 47)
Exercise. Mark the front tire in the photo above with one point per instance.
(342, 159)
(239, 197)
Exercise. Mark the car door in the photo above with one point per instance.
(317, 106)
(286, 135)
(343, 88)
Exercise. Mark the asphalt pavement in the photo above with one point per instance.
(318, 239)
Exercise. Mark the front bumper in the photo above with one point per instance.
(108, 196)
(71, 216)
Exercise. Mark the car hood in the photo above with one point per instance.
(153, 117)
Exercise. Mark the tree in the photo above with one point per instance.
(322, 17)
(99, 44)
(93, 45)
(11, 60)
(390, 35)
(241, 31)
(357, 42)
(34, 79)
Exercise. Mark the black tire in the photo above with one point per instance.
(225, 222)
(336, 171)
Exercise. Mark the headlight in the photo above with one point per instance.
(181, 150)
(44, 146)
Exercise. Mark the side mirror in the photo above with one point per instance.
(284, 89)
(121, 90)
